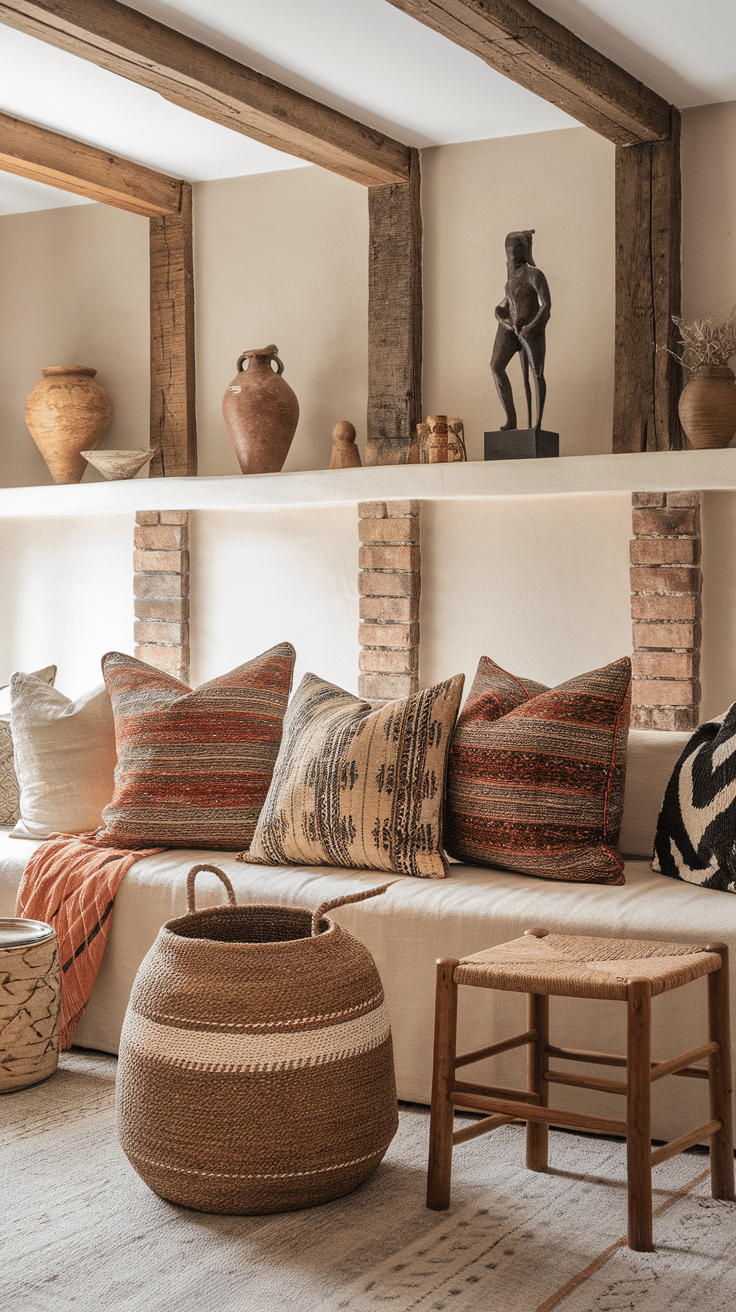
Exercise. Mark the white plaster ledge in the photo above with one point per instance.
(566, 476)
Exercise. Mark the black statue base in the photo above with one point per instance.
(521, 444)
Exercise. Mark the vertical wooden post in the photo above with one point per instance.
(537, 1136)
(638, 1115)
(173, 413)
(394, 318)
(439, 1171)
(648, 281)
(720, 1082)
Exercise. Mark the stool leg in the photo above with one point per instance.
(439, 1168)
(638, 1115)
(537, 1136)
(719, 1065)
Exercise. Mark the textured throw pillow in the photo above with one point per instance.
(194, 766)
(696, 830)
(359, 787)
(536, 778)
(64, 757)
(9, 790)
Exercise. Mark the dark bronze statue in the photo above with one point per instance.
(522, 318)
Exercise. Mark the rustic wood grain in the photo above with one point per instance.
(33, 152)
(648, 237)
(394, 319)
(530, 48)
(439, 1169)
(211, 84)
(173, 413)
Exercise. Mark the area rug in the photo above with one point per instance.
(81, 1231)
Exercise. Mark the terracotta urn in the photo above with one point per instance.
(261, 412)
(67, 413)
(707, 406)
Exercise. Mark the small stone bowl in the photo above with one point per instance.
(118, 464)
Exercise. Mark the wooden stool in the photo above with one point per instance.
(30, 998)
(627, 970)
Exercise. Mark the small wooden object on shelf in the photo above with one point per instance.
(345, 454)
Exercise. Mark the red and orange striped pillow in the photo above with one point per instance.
(193, 767)
(536, 776)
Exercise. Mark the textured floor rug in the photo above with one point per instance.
(81, 1231)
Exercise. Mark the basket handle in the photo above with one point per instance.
(343, 902)
(191, 906)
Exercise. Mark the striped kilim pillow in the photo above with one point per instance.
(536, 778)
(193, 766)
(359, 787)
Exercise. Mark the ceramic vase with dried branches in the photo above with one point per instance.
(707, 405)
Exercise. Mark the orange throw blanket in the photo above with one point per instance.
(70, 883)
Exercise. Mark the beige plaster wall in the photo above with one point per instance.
(283, 257)
(562, 185)
(708, 210)
(67, 595)
(73, 290)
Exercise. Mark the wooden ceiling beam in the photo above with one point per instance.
(530, 48)
(33, 152)
(212, 85)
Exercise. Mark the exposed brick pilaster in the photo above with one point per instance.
(389, 583)
(665, 609)
(161, 584)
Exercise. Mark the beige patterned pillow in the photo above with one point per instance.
(9, 789)
(359, 787)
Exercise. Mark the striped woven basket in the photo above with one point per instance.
(256, 1066)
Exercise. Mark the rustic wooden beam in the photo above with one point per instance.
(647, 378)
(33, 152)
(530, 48)
(210, 84)
(394, 318)
(173, 412)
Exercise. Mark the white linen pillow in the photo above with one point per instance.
(9, 790)
(64, 757)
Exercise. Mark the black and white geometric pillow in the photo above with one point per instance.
(696, 830)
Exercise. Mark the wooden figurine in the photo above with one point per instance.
(345, 454)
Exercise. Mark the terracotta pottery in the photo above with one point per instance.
(261, 412)
(118, 464)
(66, 413)
(345, 454)
(707, 406)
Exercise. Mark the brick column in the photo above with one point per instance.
(665, 609)
(161, 585)
(389, 584)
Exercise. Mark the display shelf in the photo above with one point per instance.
(477, 480)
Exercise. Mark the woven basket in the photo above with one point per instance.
(30, 999)
(256, 1066)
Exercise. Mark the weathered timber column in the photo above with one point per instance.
(173, 413)
(161, 584)
(389, 583)
(648, 240)
(394, 318)
(665, 610)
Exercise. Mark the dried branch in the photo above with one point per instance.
(706, 341)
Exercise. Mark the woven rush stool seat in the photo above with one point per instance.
(633, 971)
